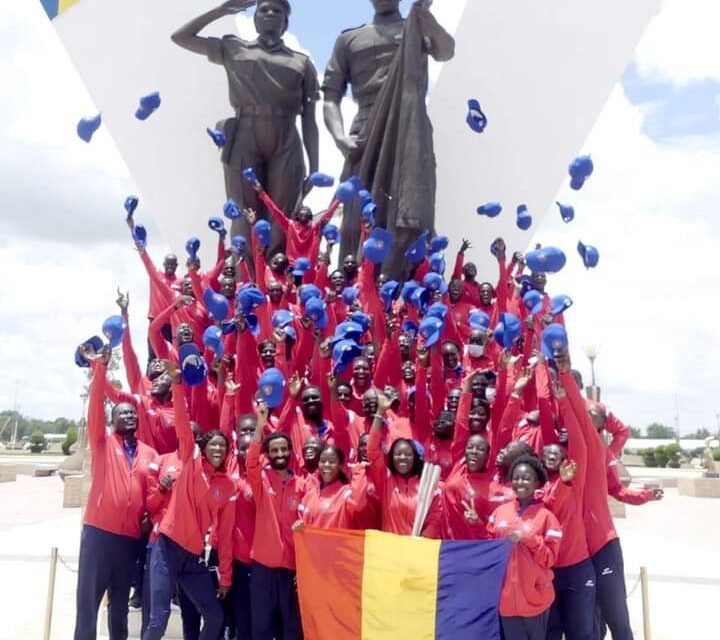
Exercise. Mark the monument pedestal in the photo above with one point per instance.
(705, 487)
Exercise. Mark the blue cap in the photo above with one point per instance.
(331, 233)
(361, 318)
(262, 231)
(300, 266)
(475, 119)
(439, 243)
(86, 127)
(252, 322)
(437, 310)
(533, 301)
(113, 329)
(408, 326)
(434, 282)
(478, 319)
(216, 304)
(554, 340)
(282, 318)
(192, 364)
(321, 179)
(213, 340)
(348, 330)
(349, 295)
(217, 136)
(345, 192)
(580, 169)
(369, 211)
(192, 246)
(131, 203)
(545, 260)
(307, 292)
(490, 209)
(249, 174)
(507, 330)
(567, 213)
(407, 290)
(560, 304)
(344, 352)
(418, 249)
(356, 182)
(139, 234)
(419, 298)
(249, 297)
(217, 225)
(377, 247)
(437, 262)
(231, 210)
(315, 310)
(590, 255)
(148, 105)
(271, 386)
(290, 331)
(365, 197)
(95, 342)
(228, 326)
(388, 293)
(238, 244)
(430, 329)
(524, 219)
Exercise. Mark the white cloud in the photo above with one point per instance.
(680, 45)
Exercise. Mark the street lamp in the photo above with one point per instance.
(592, 391)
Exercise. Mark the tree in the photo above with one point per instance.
(37, 442)
(70, 439)
(635, 432)
(656, 431)
(700, 434)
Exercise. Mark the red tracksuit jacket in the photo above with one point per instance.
(202, 498)
(118, 491)
(528, 586)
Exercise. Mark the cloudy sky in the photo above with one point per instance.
(651, 208)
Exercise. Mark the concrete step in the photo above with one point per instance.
(173, 632)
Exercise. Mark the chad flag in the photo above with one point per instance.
(369, 585)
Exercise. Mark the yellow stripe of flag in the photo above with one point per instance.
(399, 587)
(65, 4)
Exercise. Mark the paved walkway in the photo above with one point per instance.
(678, 540)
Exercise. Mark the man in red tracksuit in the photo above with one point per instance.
(277, 493)
(121, 468)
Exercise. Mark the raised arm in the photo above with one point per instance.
(133, 372)
(96, 402)
(187, 36)
(186, 441)
(438, 42)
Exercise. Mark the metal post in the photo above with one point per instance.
(647, 633)
(51, 593)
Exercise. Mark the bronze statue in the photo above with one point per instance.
(270, 85)
(389, 144)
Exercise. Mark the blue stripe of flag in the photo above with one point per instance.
(51, 7)
(470, 579)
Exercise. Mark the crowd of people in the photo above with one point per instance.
(281, 393)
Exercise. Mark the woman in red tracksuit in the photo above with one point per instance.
(333, 503)
(527, 591)
(397, 480)
(203, 496)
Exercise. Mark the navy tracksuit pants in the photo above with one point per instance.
(611, 594)
(573, 612)
(171, 565)
(240, 600)
(274, 604)
(525, 628)
(107, 562)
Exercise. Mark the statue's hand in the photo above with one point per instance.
(347, 145)
(307, 186)
(236, 6)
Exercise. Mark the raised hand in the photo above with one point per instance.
(568, 469)
(251, 215)
(232, 7)
(294, 385)
(123, 300)
(465, 245)
(470, 514)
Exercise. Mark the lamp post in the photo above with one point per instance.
(592, 390)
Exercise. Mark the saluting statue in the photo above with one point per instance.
(389, 144)
(270, 85)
